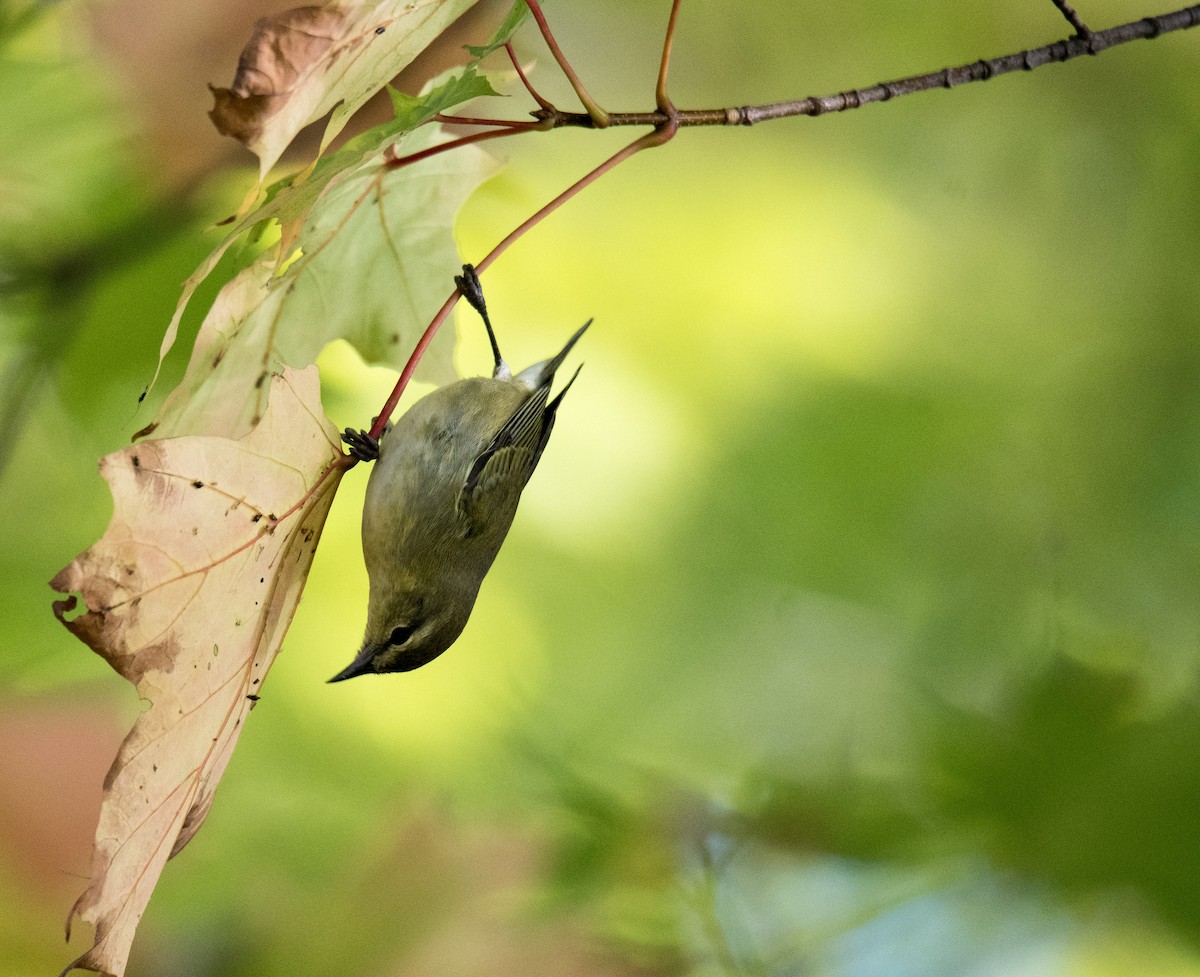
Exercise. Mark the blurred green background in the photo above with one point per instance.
(850, 625)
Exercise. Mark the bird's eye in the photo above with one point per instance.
(400, 635)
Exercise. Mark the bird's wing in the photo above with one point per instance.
(499, 473)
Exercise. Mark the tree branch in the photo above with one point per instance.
(667, 120)
(1065, 50)
(1086, 42)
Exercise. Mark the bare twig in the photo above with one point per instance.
(658, 137)
(533, 92)
(661, 98)
(505, 129)
(598, 116)
(1056, 52)
(471, 120)
(1147, 28)
(1081, 29)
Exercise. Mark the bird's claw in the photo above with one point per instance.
(362, 446)
(470, 288)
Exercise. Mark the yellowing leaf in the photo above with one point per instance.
(300, 64)
(376, 244)
(188, 596)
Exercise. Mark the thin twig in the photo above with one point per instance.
(410, 367)
(598, 116)
(471, 120)
(661, 98)
(507, 129)
(1081, 29)
(533, 92)
(651, 139)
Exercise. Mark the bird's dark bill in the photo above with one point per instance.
(360, 666)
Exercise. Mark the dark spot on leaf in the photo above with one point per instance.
(395, 337)
(155, 658)
(64, 607)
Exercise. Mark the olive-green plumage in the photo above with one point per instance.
(439, 503)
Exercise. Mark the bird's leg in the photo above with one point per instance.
(361, 444)
(471, 289)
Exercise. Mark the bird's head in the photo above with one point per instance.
(407, 628)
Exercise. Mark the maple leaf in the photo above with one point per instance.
(300, 64)
(188, 595)
(373, 244)
(374, 249)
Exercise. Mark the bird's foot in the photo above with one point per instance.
(361, 444)
(471, 289)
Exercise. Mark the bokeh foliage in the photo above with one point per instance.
(848, 627)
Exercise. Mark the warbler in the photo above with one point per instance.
(441, 499)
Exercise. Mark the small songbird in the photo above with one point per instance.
(441, 498)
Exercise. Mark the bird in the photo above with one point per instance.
(442, 496)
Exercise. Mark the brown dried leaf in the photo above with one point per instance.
(300, 64)
(188, 596)
(281, 48)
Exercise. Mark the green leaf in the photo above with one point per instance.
(375, 251)
(516, 17)
(413, 111)
(293, 201)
